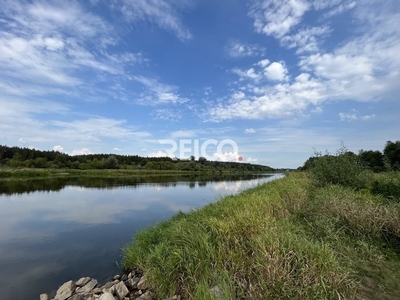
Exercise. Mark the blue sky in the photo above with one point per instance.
(279, 78)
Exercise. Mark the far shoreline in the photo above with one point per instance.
(7, 173)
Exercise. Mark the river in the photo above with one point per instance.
(54, 230)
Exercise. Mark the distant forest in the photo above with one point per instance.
(377, 161)
(16, 157)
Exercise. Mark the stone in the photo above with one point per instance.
(44, 297)
(97, 291)
(109, 284)
(142, 283)
(107, 296)
(117, 277)
(82, 281)
(132, 283)
(124, 277)
(130, 275)
(76, 297)
(65, 290)
(87, 287)
(120, 290)
(146, 296)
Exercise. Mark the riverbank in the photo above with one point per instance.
(287, 239)
(26, 173)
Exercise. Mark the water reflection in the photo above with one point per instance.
(56, 184)
(64, 228)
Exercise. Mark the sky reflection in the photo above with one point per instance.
(48, 237)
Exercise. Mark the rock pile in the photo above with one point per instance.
(123, 287)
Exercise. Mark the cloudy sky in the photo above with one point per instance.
(280, 78)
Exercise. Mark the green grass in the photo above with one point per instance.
(387, 185)
(287, 239)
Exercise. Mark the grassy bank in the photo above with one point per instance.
(288, 239)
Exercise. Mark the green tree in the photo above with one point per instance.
(40, 162)
(16, 161)
(97, 164)
(75, 165)
(202, 160)
(111, 162)
(372, 160)
(392, 152)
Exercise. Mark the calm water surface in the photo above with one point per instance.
(55, 230)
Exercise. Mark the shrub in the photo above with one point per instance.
(343, 168)
(388, 186)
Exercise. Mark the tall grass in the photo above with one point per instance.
(246, 245)
(388, 185)
(288, 239)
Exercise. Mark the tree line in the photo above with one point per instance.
(16, 157)
(377, 161)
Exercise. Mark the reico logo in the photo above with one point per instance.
(189, 147)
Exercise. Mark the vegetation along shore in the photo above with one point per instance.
(330, 232)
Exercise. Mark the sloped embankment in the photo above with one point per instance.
(287, 239)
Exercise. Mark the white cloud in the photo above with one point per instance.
(347, 117)
(251, 160)
(338, 66)
(324, 4)
(167, 114)
(368, 117)
(277, 101)
(158, 93)
(207, 90)
(226, 156)
(263, 63)
(96, 128)
(83, 151)
(276, 71)
(237, 49)
(158, 154)
(363, 68)
(164, 13)
(58, 148)
(343, 7)
(317, 110)
(277, 17)
(183, 134)
(128, 58)
(249, 130)
(49, 17)
(22, 121)
(117, 149)
(50, 48)
(306, 39)
(248, 74)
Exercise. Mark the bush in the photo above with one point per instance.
(388, 186)
(343, 168)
